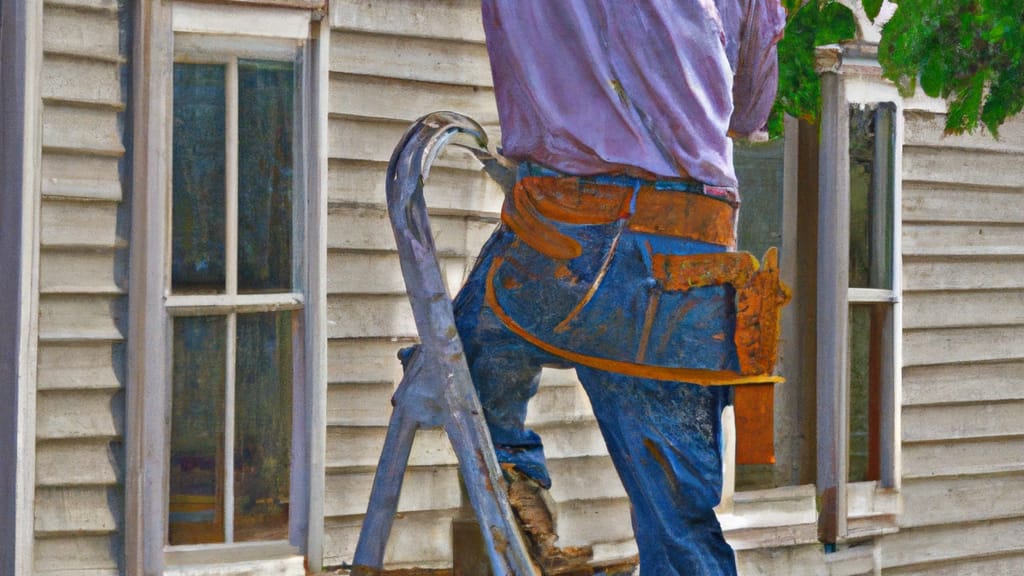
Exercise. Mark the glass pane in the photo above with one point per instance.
(197, 245)
(869, 345)
(266, 178)
(263, 425)
(871, 195)
(197, 431)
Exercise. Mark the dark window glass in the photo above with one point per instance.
(870, 339)
(263, 425)
(871, 195)
(266, 175)
(197, 431)
(198, 225)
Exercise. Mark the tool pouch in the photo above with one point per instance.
(760, 296)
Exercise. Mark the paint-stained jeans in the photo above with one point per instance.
(664, 437)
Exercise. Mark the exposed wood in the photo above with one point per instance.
(927, 202)
(959, 345)
(963, 383)
(960, 167)
(78, 463)
(80, 224)
(935, 423)
(973, 308)
(973, 456)
(449, 191)
(89, 33)
(419, 59)
(977, 273)
(81, 317)
(421, 539)
(79, 510)
(359, 96)
(452, 20)
(81, 81)
(434, 488)
(69, 414)
(57, 553)
(91, 365)
(957, 542)
(359, 447)
(953, 500)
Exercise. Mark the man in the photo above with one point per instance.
(614, 257)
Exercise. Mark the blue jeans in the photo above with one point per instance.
(663, 437)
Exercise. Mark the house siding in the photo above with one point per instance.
(963, 375)
(392, 62)
(79, 422)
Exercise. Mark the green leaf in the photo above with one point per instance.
(873, 7)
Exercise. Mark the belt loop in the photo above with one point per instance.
(632, 200)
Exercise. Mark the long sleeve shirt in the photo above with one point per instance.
(642, 86)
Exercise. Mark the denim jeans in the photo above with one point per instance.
(664, 437)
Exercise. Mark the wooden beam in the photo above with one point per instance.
(20, 157)
(833, 280)
(145, 445)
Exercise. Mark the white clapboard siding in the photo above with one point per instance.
(82, 283)
(963, 353)
(391, 63)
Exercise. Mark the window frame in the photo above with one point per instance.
(149, 346)
(850, 75)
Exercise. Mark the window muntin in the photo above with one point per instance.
(235, 269)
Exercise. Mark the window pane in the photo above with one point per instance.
(871, 195)
(870, 342)
(266, 179)
(198, 228)
(263, 425)
(197, 431)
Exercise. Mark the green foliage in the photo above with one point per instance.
(969, 52)
(813, 24)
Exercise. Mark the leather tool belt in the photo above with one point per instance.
(575, 302)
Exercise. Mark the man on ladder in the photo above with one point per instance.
(615, 254)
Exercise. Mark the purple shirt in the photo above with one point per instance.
(602, 86)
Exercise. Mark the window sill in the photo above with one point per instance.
(256, 559)
(788, 516)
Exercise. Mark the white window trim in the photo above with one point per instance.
(148, 394)
(20, 154)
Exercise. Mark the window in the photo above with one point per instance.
(858, 302)
(227, 290)
(828, 196)
(235, 297)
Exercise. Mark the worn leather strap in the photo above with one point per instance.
(537, 202)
